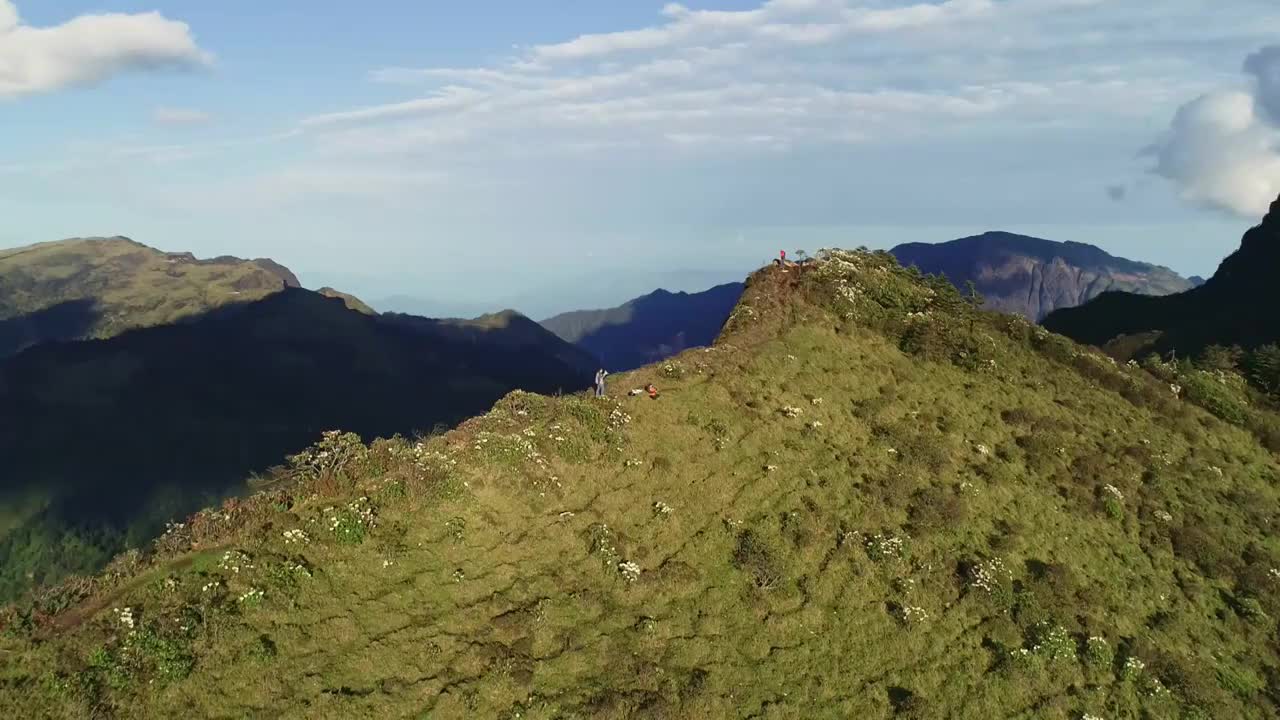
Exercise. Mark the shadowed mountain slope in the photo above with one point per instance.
(1237, 306)
(103, 441)
(648, 328)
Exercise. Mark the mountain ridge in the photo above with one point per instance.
(648, 328)
(1227, 309)
(1033, 276)
(82, 288)
(867, 499)
(170, 417)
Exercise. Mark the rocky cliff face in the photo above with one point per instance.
(1033, 277)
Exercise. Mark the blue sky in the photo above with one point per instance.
(560, 153)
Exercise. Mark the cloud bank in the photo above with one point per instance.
(88, 49)
(1223, 148)
(780, 76)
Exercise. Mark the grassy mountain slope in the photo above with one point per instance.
(1031, 276)
(99, 287)
(351, 301)
(867, 500)
(649, 328)
(104, 441)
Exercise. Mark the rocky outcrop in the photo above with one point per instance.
(1033, 277)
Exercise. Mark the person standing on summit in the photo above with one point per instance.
(600, 376)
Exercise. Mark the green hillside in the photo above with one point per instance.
(867, 500)
(103, 442)
(99, 287)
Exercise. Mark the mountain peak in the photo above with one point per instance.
(1257, 259)
(1033, 276)
(1231, 308)
(97, 287)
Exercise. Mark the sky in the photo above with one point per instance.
(553, 154)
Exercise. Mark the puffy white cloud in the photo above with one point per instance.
(1222, 149)
(88, 49)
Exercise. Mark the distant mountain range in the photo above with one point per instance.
(648, 328)
(98, 287)
(1237, 306)
(548, 297)
(1015, 273)
(102, 441)
(1033, 277)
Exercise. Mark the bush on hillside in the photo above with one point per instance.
(756, 556)
(1263, 368)
(1214, 392)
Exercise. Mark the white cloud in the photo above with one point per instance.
(1264, 66)
(452, 97)
(794, 21)
(807, 71)
(774, 81)
(88, 49)
(1223, 148)
(179, 116)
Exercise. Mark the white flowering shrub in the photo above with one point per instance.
(1098, 653)
(330, 457)
(910, 614)
(350, 524)
(145, 652)
(883, 547)
(601, 542)
(1112, 501)
(236, 561)
(1132, 669)
(1054, 643)
(618, 419)
(125, 617)
(629, 571)
(991, 578)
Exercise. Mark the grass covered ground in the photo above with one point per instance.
(868, 500)
(100, 287)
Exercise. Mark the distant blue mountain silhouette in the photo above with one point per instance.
(649, 328)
